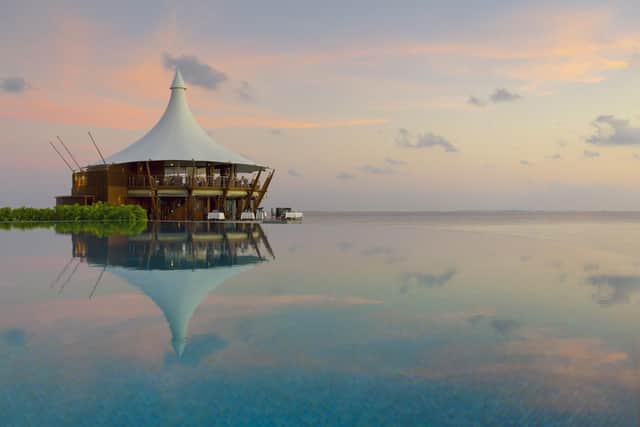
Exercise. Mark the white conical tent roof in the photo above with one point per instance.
(178, 293)
(178, 136)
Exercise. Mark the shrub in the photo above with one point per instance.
(100, 229)
(96, 212)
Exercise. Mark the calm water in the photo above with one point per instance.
(465, 319)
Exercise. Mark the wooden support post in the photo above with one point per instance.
(155, 202)
(191, 185)
(263, 191)
(246, 202)
(224, 195)
(242, 203)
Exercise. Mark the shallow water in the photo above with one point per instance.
(439, 319)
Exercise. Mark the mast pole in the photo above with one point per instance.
(61, 156)
(97, 149)
(68, 151)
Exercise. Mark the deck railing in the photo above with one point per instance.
(181, 181)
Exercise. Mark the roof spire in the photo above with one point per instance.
(178, 82)
(179, 346)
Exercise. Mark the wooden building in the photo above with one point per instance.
(176, 171)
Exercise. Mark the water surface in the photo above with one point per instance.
(413, 319)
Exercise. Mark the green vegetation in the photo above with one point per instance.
(96, 212)
(100, 219)
(100, 229)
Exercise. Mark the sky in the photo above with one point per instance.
(359, 105)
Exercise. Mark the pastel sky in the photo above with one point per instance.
(407, 105)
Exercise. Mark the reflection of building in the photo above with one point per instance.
(175, 171)
(177, 265)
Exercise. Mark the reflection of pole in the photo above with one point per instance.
(254, 243)
(152, 243)
(93, 291)
(69, 278)
(265, 241)
(226, 244)
(66, 266)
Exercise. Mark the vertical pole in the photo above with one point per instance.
(155, 203)
(97, 149)
(224, 193)
(191, 185)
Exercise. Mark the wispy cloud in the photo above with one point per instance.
(374, 170)
(613, 131)
(293, 172)
(245, 92)
(504, 95)
(505, 327)
(345, 246)
(476, 102)
(345, 176)
(591, 267)
(195, 71)
(298, 124)
(526, 163)
(554, 157)
(497, 97)
(386, 252)
(429, 280)
(13, 85)
(395, 162)
(425, 140)
(377, 251)
(591, 154)
(614, 289)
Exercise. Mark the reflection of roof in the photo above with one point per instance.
(176, 273)
(178, 136)
(178, 293)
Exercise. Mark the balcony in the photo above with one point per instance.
(185, 182)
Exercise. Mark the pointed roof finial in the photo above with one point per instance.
(178, 82)
(179, 346)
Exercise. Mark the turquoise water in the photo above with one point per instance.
(438, 319)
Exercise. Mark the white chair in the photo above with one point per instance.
(215, 216)
(247, 216)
